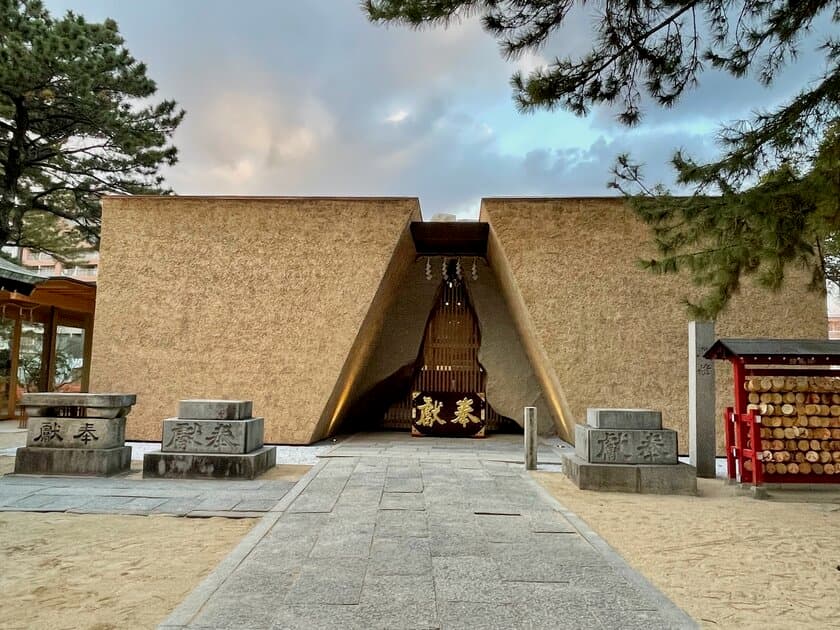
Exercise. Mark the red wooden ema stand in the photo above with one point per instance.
(767, 357)
(741, 432)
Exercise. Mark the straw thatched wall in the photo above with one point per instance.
(256, 298)
(614, 335)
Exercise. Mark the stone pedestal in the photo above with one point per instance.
(75, 434)
(209, 466)
(211, 439)
(212, 436)
(627, 450)
(626, 446)
(101, 462)
(643, 478)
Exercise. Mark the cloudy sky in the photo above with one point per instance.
(289, 97)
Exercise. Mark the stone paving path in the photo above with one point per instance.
(390, 532)
(133, 495)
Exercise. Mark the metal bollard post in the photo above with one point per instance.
(531, 440)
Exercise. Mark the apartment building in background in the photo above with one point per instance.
(833, 325)
(85, 266)
(833, 311)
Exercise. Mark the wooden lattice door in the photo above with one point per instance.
(448, 388)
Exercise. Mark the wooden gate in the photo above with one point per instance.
(450, 345)
(449, 362)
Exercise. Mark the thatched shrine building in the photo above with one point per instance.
(338, 314)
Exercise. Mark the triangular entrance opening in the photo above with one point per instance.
(447, 394)
(445, 326)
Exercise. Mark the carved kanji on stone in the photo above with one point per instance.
(49, 431)
(612, 446)
(222, 436)
(87, 433)
(184, 435)
(704, 368)
(652, 446)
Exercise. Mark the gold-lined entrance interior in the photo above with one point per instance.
(449, 356)
(450, 346)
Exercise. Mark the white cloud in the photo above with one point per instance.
(309, 98)
(294, 144)
(529, 62)
(397, 117)
(235, 175)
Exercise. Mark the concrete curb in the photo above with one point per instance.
(192, 605)
(677, 617)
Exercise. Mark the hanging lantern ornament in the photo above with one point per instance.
(428, 268)
(443, 271)
(474, 270)
(458, 272)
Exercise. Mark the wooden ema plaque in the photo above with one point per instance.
(447, 414)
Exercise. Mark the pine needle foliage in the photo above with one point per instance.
(76, 122)
(770, 200)
(787, 219)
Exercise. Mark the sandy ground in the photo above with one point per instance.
(106, 571)
(103, 572)
(728, 560)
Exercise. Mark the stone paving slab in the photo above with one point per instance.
(332, 581)
(500, 447)
(85, 495)
(402, 501)
(399, 601)
(347, 554)
(335, 541)
(456, 615)
(400, 556)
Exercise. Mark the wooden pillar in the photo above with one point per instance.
(13, 369)
(47, 380)
(87, 353)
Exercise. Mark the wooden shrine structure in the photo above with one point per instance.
(37, 314)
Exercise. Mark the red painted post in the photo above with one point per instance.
(738, 374)
(729, 439)
(758, 475)
(739, 446)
